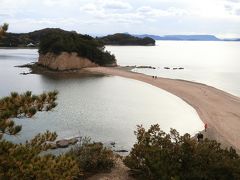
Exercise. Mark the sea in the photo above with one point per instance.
(109, 108)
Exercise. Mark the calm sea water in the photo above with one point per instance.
(105, 108)
(214, 63)
(108, 108)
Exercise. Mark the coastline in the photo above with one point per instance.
(219, 109)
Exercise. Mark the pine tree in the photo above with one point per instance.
(26, 161)
(3, 29)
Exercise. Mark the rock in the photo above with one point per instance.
(147, 67)
(24, 73)
(73, 141)
(122, 150)
(53, 145)
(64, 61)
(66, 142)
(112, 143)
(62, 143)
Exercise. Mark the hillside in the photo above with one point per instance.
(30, 39)
(126, 39)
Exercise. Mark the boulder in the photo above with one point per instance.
(122, 150)
(62, 143)
(73, 141)
(53, 145)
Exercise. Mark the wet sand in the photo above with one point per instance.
(219, 109)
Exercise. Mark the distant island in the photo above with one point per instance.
(185, 37)
(126, 39)
(32, 39)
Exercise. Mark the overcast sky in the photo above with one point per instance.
(160, 17)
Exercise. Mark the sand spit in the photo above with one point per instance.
(219, 109)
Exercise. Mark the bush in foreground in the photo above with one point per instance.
(23, 161)
(158, 155)
(27, 161)
(93, 157)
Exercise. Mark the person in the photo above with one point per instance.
(200, 136)
(205, 127)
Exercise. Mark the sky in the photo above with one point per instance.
(101, 17)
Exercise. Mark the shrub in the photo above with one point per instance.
(25, 161)
(158, 155)
(93, 157)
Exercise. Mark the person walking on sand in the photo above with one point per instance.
(205, 127)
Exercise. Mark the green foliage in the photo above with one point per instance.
(84, 45)
(126, 39)
(3, 29)
(22, 105)
(28, 160)
(24, 161)
(93, 157)
(158, 155)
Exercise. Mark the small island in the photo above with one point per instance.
(63, 50)
(126, 40)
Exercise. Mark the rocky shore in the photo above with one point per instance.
(64, 61)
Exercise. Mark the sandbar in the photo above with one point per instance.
(219, 109)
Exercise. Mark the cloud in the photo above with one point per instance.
(89, 8)
(237, 12)
(113, 4)
(4, 15)
(154, 16)
(233, 7)
(228, 7)
(112, 11)
(235, 1)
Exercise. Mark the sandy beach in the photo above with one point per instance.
(219, 109)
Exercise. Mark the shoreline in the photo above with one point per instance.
(219, 109)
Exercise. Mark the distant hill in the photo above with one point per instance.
(126, 39)
(232, 39)
(31, 39)
(182, 37)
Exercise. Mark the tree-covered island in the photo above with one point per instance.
(126, 39)
(82, 47)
